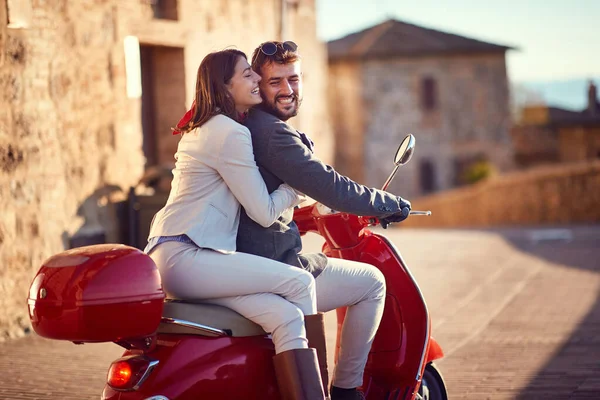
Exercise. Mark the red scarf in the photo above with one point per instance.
(187, 117)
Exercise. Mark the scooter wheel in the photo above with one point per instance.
(433, 386)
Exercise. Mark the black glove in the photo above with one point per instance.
(404, 203)
(398, 217)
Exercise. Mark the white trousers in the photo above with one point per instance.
(276, 296)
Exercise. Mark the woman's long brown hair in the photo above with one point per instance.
(212, 96)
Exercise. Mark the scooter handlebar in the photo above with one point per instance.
(420, 213)
(385, 223)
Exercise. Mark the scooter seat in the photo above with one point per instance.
(209, 315)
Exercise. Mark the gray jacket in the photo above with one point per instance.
(285, 155)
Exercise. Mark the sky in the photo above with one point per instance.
(556, 39)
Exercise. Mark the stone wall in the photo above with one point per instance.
(347, 118)
(547, 143)
(535, 144)
(71, 135)
(578, 143)
(69, 141)
(562, 194)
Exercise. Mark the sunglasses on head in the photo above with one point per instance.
(270, 48)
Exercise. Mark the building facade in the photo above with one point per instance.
(551, 135)
(449, 91)
(90, 90)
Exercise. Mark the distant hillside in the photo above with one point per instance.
(570, 94)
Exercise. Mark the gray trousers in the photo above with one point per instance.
(276, 296)
(360, 287)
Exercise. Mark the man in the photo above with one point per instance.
(285, 155)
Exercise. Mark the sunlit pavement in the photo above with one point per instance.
(517, 312)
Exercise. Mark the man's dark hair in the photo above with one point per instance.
(281, 56)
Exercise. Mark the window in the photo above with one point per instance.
(164, 9)
(428, 94)
(427, 176)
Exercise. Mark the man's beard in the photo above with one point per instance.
(271, 108)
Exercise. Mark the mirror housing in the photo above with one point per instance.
(403, 155)
(405, 150)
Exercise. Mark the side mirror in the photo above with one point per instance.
(405, 150)
(403, 155)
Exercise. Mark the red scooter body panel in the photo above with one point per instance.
(397, 358)
(396, 352)
(199, 367)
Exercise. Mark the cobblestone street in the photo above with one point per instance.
(517, 312)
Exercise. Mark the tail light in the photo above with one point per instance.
(129, 373)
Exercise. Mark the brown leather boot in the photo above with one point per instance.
(297, 373)
(315, 333)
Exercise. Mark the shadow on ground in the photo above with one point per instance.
(574, 370)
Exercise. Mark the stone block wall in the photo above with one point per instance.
(545, 143)
(578, 143)
(535, 144)
(561, 194)
(66, 143)
(347, 118)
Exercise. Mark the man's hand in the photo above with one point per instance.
(398, 217)
(404, 203)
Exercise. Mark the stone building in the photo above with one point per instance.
(89, 91)
(550, 135)
(449, 91)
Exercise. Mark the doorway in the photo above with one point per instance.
(163, 101)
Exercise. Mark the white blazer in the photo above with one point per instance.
(214, 173)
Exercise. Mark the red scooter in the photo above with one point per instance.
(185, 350)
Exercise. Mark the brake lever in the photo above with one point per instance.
(384, 223)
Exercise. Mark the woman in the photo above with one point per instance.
(192, 238)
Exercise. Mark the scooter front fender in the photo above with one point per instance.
(435, 351)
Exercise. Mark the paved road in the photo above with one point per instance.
(517, 312)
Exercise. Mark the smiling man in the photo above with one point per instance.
(282, 87)
(285, 155)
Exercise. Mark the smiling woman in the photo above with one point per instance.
(225, 85)
(243, 86)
